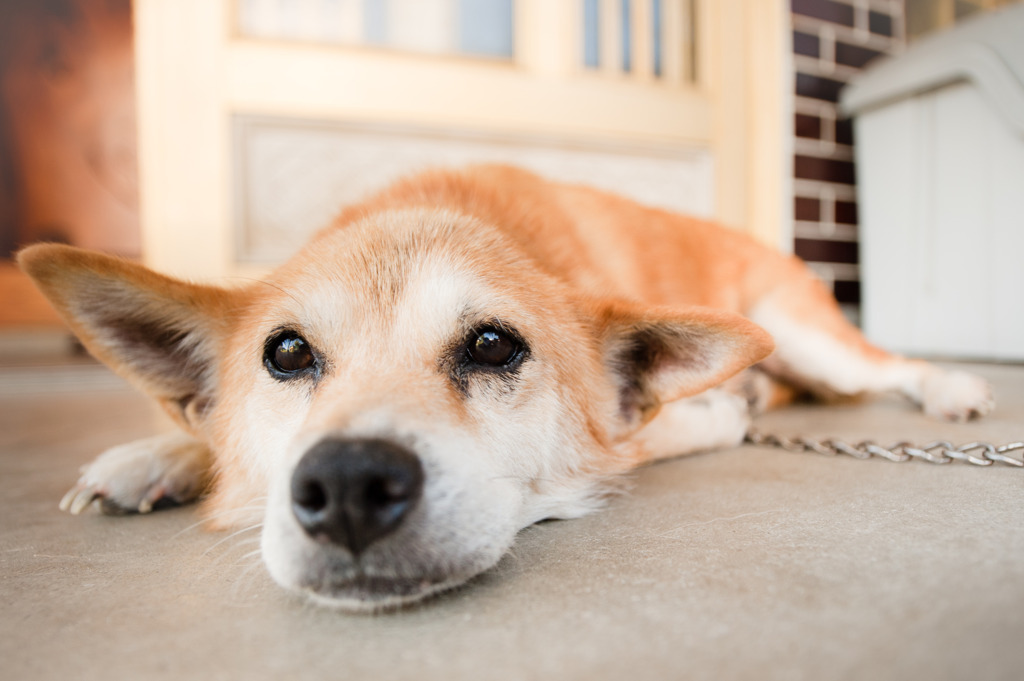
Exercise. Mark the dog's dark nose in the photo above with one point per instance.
(353, 492)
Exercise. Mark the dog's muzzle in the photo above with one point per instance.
(352, 493)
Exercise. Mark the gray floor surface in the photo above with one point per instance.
(742, 564)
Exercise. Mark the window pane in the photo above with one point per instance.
(656, 42)
(375, 22)
(485, 28)
(692, 39)
(591, 49)
(471, 27)
(627, 37)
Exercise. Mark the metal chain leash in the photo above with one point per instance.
(940, 452)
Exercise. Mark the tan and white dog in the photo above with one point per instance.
(457, 358)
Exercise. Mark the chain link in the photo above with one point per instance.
(939, 452)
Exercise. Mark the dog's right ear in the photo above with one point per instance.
(658, 355)
(159, 333)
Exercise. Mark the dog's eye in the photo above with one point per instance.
(493, 347)
(287, 354)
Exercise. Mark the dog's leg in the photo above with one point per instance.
(762, 391)
(817, 349)
(712, 420)
(167, 469)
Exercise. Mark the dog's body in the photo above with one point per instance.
(459, 357)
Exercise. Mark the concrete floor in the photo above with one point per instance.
(742, 564)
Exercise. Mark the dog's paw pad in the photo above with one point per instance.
(141, 476)
(957, 396)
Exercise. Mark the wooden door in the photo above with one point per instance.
(256, 117)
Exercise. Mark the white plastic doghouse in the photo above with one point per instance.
(940, 177)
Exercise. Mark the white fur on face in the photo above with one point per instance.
(499, 453)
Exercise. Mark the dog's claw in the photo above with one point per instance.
(154, 495)
(78, 498)
(65, 501)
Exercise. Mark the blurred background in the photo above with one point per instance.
(209, 138)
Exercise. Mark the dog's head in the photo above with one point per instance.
(406, 393)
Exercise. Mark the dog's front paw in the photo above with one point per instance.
(956, 396)
(139, 476)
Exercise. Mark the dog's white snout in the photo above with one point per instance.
(354, 492)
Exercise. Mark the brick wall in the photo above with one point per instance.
(832, 41)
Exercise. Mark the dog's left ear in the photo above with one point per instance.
(661, 355)
(159, 333)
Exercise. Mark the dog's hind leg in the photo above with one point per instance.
(136, 477)
(819, 350)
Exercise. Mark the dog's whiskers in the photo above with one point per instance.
(245, 577)
(247, 556)
(234, 534)
(242, 544)
(227, 512)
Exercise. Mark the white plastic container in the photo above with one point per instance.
(940, 177)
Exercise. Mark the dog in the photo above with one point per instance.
(452, 360)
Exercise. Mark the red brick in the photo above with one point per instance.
(846, 212)
(826, 10)
(808, 126)
(823, 250)
(854, 55)
(817, 87)
(806, 44)
(807, 209)
(826, 169)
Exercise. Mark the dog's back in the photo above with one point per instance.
(599, 242)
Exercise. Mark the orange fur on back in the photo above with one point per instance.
(602, 243)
